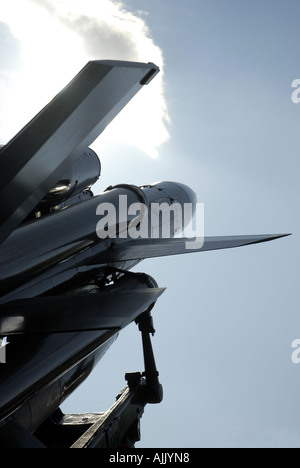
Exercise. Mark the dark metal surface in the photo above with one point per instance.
(82, 175)
(114, 425)
(69, 236)
(39, 155)
(37, 246)
(44, 403)
(37, 357)
(35, 362)
(13, 435)
(81, 312)
(150, 248)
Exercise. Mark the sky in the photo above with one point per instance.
(219, 118)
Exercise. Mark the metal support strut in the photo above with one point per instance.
(152, 390)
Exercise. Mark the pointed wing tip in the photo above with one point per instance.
(264, 238)
(277, 236)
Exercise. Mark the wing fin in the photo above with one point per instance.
(150, 248)
(85, 312)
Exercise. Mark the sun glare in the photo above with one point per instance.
(57, 41)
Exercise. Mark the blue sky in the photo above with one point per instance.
(227, 321)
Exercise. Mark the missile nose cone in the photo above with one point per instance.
(175, 195)
(171, 192)
(188, 199)
(186, 194)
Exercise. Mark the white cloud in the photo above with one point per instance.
(58, 38)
